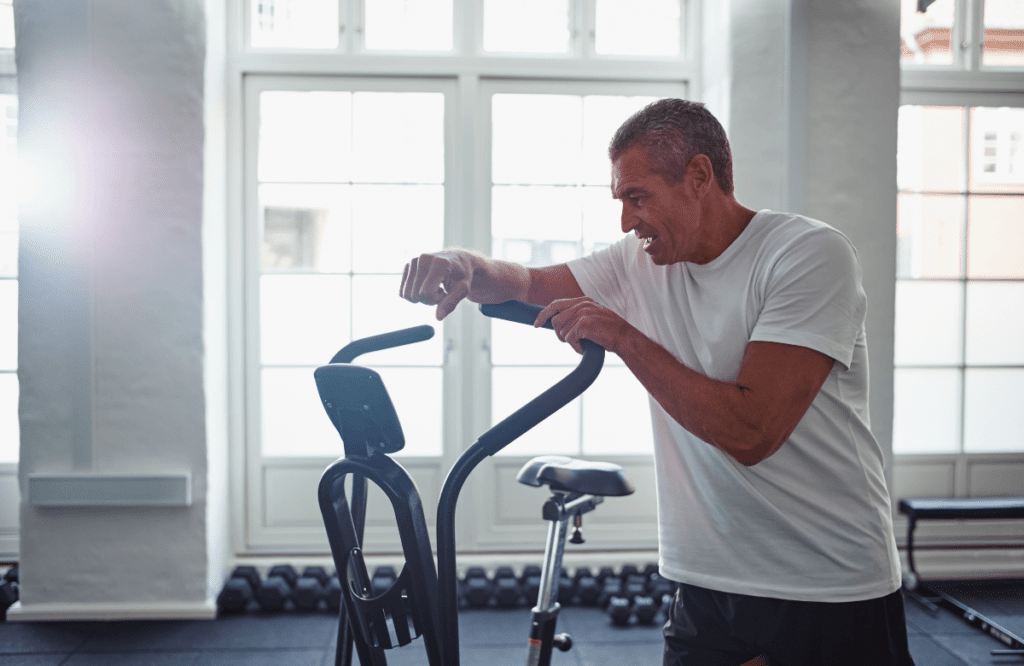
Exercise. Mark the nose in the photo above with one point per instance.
(628, 221)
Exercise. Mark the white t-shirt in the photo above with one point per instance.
(813, 521)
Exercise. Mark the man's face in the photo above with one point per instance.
(664, 216)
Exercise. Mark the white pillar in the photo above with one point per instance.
(110, 310)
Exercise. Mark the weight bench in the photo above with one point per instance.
(959, 509)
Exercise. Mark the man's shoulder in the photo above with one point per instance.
(789, 231)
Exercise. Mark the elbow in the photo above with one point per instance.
(753, 448)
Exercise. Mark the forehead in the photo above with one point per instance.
(632, 169)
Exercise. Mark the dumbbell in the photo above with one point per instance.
(8, 591)
(612, 587)
(530, 582)
(634, 585)
(476, 588)
(333, 593)
(310, 589)
(239, 590)
(645, 608)
(657, 587)
(566, 588)
(383, 578)
(506, 588)
(278, 589)
(619, 610)
(588, 588)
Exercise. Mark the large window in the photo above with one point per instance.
(959, 376)
(375, 130)
(960, 287)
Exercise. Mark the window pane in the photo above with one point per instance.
(994, 411)
(929, 236)
(602, 217)
(304, 319)
(8, 325)
(409, 25)
(997, 149)
(6, 24)
(1004, 33)
(376, 309)
(925, 37)
(637, 27)
(928, 316)
(294, 421)
(536, 226)
(305, 136)
(995, 237)
(10, 430)
(8, 184)
(398, 137)
(926, 411)
(416, 394)
(995, 324)
(296, 24)
(602, 115)
(513, 344)
(929, 153)
(616, 415)
(536, 139)
(514, 387)
(394, 223)
(526, 26)
(306, 227)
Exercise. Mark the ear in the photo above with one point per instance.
(701, 174)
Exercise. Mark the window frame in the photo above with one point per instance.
(466, 366)
(965, 83)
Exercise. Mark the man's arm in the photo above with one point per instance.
(749, 418)
(446, 278)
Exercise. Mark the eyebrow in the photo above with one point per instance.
(628, 192)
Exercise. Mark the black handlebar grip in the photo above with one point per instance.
(406, 336)
(517, 311)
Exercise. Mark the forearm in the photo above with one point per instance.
(719, 413)
(497, 281)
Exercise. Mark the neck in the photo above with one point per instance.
(727, 219)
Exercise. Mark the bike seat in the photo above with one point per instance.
(577, 476)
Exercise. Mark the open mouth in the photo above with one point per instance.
(646, 241)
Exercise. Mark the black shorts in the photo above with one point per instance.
(711, 628)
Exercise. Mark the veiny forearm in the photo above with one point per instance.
(720, 413)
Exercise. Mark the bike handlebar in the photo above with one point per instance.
(406, 336)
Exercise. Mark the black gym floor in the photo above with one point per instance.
(491, 637)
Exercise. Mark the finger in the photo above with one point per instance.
(405, 278)
(447, 304)
(546, 313)
(431, 272)
(409, 279)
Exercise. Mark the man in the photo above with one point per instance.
(747, 330)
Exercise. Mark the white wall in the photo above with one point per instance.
(110, 311)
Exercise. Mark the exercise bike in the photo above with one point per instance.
(423, 601)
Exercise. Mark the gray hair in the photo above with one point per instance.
(673, 132)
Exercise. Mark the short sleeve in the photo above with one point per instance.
(814, 297)
(601, 275)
